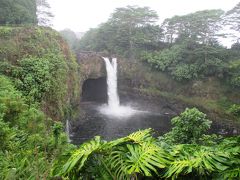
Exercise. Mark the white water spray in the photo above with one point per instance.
(113, 107)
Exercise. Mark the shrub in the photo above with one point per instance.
(235, 110)
(189, 127)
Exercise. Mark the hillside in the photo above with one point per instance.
(43, 68)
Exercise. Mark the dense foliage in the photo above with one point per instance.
(70, 37)
(41, 66)
(186, 47)
(235, 110)
(25, 12)
(200, 26)
(184, 130)
(39, 84)
(190, 60)
(140, 155)
(18, 12)
(127, 31)
(28, 143)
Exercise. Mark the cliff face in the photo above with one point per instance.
(92, 65)
(93, 85)
(138, 80)
(49, 58)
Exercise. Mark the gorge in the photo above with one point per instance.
(104, 113)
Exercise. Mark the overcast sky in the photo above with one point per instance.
(80, 15)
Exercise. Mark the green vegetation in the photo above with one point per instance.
(186, 47)
(184, 130)
(39, 85)
(28, 138)
(127, 31)
(25, 12)
(140, 155)
(189, 60)
(41, 66)
(235, 110)
(18, 12)
(70, 37)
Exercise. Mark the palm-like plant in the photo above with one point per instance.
(123, 158)
(198, 160)
(139, 154)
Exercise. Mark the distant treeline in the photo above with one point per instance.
(186, 47)
(25, 12)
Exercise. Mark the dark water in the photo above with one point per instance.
(92, 123)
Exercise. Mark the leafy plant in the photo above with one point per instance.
(184, 130)
(235, 110)
(136, 154)
(139, 155)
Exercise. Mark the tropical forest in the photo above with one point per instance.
(135, 97)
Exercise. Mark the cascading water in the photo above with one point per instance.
(67, 129)
(113, 108)
(113, 98)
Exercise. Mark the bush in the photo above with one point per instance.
(188, 60)
(27, 144)
(234, 73)
(189, 127)
(235, 110)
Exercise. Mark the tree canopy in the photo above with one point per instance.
(44, 14)
(127, 30)
(18, 12)
(232, 17)
(201, 26)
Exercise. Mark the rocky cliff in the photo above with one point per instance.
(157, 91)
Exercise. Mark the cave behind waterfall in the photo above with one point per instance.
(94, 90)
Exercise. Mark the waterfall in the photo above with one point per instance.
(67, 129)
(111, 68)
(113, 108)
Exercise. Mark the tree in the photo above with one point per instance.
(70, 37)
(44, 14)
(18, 12)
(232, 17)
(127, 31)
(188, 60)
(201, 26)
(130, 22)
